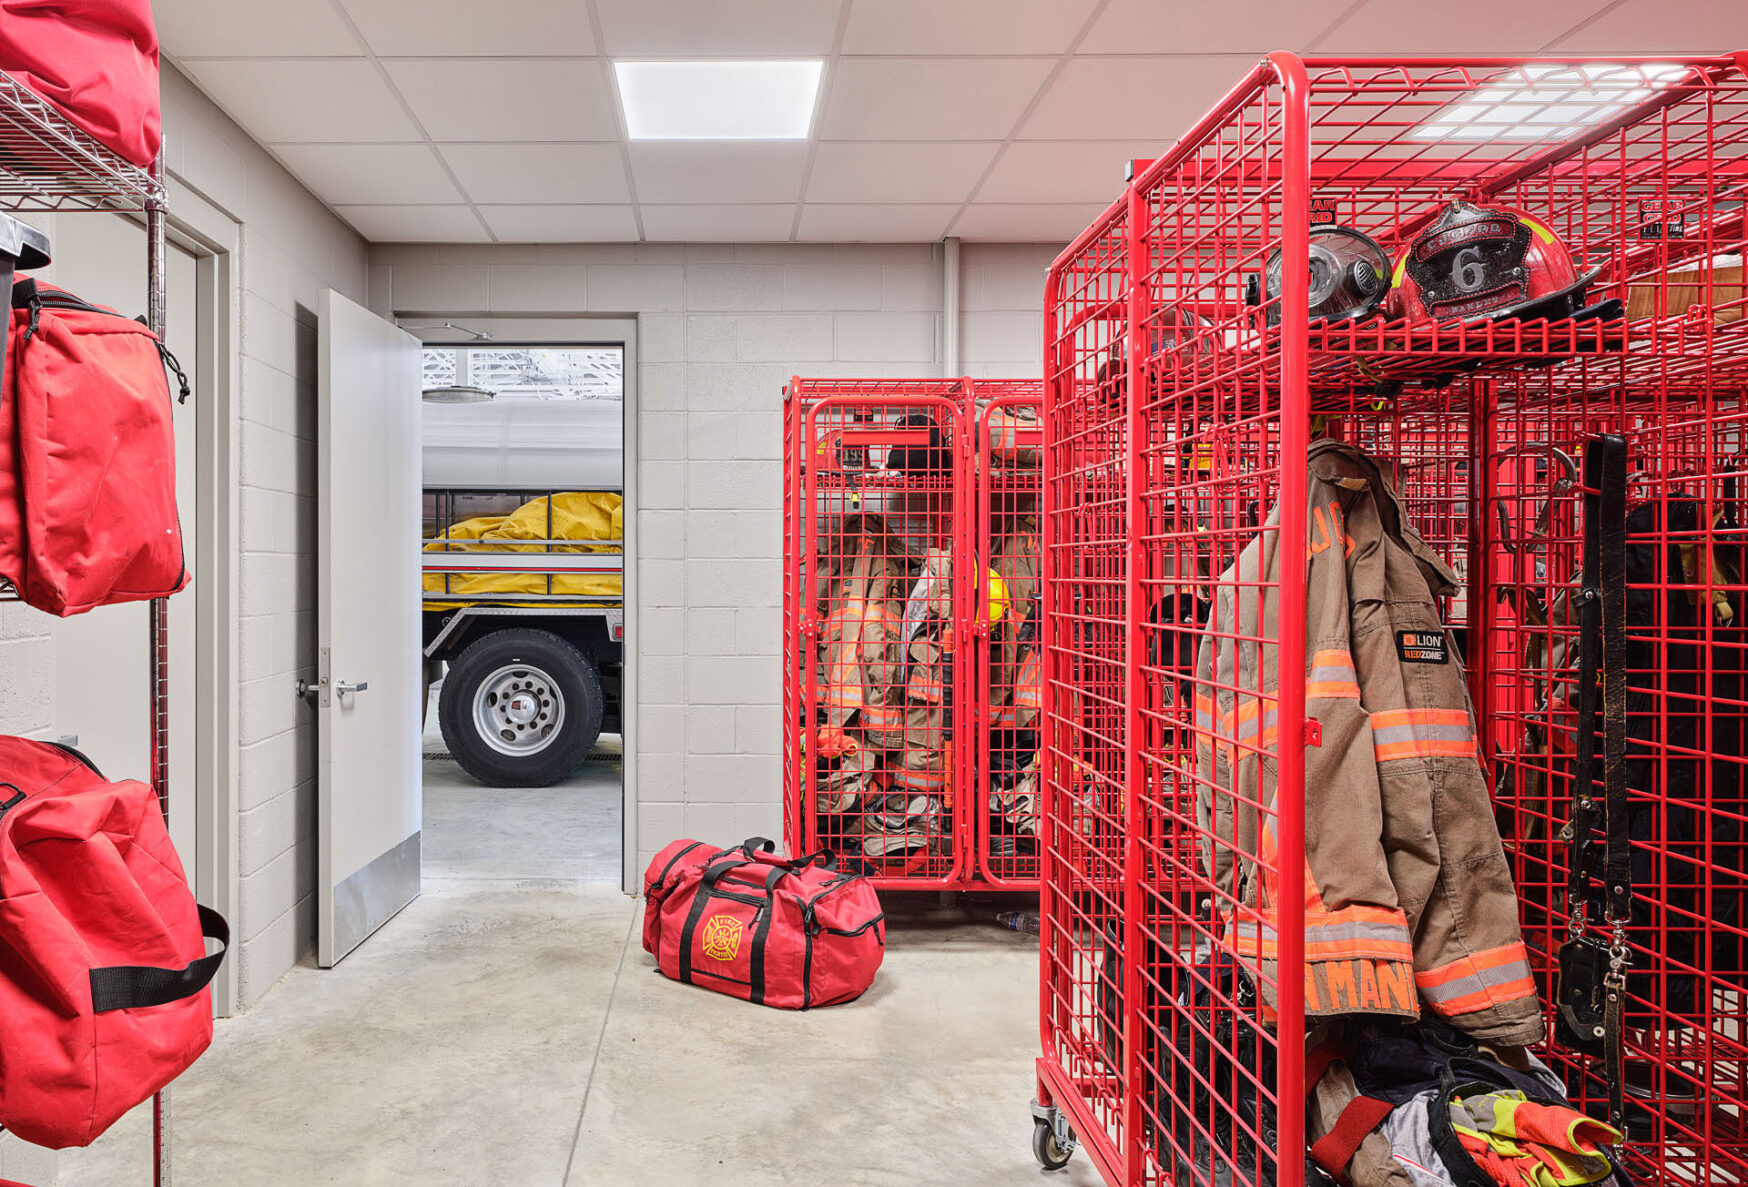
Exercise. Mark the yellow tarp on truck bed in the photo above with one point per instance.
(577, 515)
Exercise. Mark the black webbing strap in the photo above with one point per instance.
(1584, 806)
(752, 846)
(1617, 860)
(756, 973)
(707, 887)
(705, 893)
(1602, 678)
(129, 987)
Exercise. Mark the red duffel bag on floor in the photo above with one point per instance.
(87, 456)
(96, 60)
(745, 922)
(103, 964)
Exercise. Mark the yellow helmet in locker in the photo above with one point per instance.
(997, 590)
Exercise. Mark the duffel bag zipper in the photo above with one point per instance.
(37, 299)
(748, 899)
(809, 929)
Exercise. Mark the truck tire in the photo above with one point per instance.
(520, 708)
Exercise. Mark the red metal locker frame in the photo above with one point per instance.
(828, 418)
(823, 414)
(1006, 497)
(1168, 396)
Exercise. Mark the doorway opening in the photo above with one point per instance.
(524, 556)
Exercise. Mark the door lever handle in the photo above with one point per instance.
(343, 686)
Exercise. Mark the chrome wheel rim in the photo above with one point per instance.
(518, 710)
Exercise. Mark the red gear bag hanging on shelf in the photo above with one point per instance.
(88, 456)
(96, 60)
(103, 963)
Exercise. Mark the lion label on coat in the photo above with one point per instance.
(1422, 647)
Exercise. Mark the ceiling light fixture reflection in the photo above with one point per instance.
(1550, 102)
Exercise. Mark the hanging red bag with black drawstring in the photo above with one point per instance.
(103, 961)
(96, 60)
(87, 456)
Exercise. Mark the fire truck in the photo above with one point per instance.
(523, 557)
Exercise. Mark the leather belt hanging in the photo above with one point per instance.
(1592, 989)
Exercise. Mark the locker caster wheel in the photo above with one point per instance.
(1053, 1140)
(1050, 1156)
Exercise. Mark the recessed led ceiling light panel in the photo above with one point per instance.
(718, 100)
(1549, 102)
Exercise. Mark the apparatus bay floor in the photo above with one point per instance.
(508, 1029)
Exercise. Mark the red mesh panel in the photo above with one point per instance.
(1182, 390)
(910, 601)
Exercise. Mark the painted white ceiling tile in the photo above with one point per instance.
(514, 174)
(370, 174)
(562, 224)
(1646, 27)
(465, 28)
(717, 224)
(507, 99)
(858, 223)
(1486, 26)
(964, 26)
(1063, 171)
(1252, 27)
(718, 28)
(1045, 223)
(853, 172)
(414, 224)
(1132, 98)
(694, 172)
(305, 100)
(227, 28)
(930, 98)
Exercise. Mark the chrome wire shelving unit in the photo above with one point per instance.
(50, 165)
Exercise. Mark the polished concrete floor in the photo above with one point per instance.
(507, 1029)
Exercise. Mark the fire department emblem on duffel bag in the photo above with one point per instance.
(722, 937)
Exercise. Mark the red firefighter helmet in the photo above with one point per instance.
(1481, 263)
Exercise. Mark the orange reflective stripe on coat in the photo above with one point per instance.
(882, 717)
(926, 685)
(846, 649)
(843, 664)
(1490, 978)
(923, 782)
(1357, 958)
(1423, 733)
(1029, 687)
(1332, 675)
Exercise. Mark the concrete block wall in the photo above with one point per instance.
(288, 248)
(292, 247)
(721, 330)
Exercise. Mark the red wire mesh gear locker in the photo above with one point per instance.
(1006, 659)
(910, 595)
(1185, 385)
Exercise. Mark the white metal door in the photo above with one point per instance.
(367, 630)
